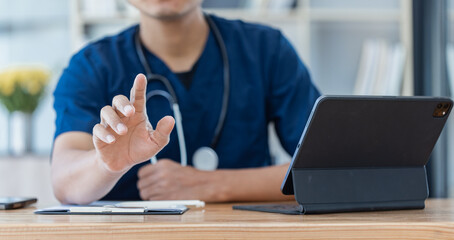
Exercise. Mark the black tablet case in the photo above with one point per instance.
(364, 153)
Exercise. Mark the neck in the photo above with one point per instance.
(178, 42)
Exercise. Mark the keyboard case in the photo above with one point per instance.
(365, 153)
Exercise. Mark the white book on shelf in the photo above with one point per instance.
(362, 67)
(388, 71)
(367, 67)
(254, 4)
(395, 70)
(280, 4)
(365, 52)
(450, 63)
(381, 68)
(380, 79)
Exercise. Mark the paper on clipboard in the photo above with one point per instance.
(110, 210)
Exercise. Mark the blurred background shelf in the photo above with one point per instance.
(329, 36)
(31, 24)
(363, 15)
(312, 27)
(317, 29)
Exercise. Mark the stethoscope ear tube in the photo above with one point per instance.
(226, 68)
(203, 155)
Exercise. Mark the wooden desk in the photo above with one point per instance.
(219, 221)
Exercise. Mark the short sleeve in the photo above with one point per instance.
(292, 95)
(79, 96)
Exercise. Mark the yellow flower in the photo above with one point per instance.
(30, 79)
(34, 87)
(42, 76)
(7, 90)
(7, 83)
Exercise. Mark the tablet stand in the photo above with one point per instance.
(359, 189)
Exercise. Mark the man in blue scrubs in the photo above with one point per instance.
(104, 127)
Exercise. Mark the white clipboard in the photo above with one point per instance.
(124, 208)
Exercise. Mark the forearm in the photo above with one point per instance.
(79, 177)
(257, 184)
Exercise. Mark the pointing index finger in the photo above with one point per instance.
(138, 93)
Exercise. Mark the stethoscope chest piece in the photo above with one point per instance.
(205, 158)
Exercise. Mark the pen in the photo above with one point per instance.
(160, 204)
(153, 160)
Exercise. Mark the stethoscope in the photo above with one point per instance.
(204, 158)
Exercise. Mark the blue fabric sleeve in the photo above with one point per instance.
(79, 96)
(292, 95)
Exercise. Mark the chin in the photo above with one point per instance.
(165, 9)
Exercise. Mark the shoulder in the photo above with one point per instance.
(242, 26)
(108, 46)
(101, 60)
(246, 32)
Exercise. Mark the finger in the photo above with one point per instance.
(101, 133)
(152, 195)
(152, 191)
(121, 103)
(159, 167)
(148, 180)
(138, 93)
(159, 197)
(110, 118)
(145, 193)
(162, 132)
(146, 170)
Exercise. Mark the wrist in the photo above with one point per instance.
(106, 170)
(218, 189)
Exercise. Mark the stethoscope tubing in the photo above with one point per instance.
(178, 122)
(172, 97)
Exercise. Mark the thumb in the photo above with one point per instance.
(162, 132)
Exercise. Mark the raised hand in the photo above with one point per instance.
(125, 137)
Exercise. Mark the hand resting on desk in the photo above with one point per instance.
(169, 180)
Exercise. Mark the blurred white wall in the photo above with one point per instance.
(27, 177)
(35, 32)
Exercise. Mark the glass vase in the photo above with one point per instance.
(20, 133)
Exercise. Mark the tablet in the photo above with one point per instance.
(369, 132)
(363, 153)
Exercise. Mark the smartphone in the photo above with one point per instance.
(15, 202)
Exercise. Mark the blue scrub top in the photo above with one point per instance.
(268, 83)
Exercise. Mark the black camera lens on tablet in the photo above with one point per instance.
(441, 110)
